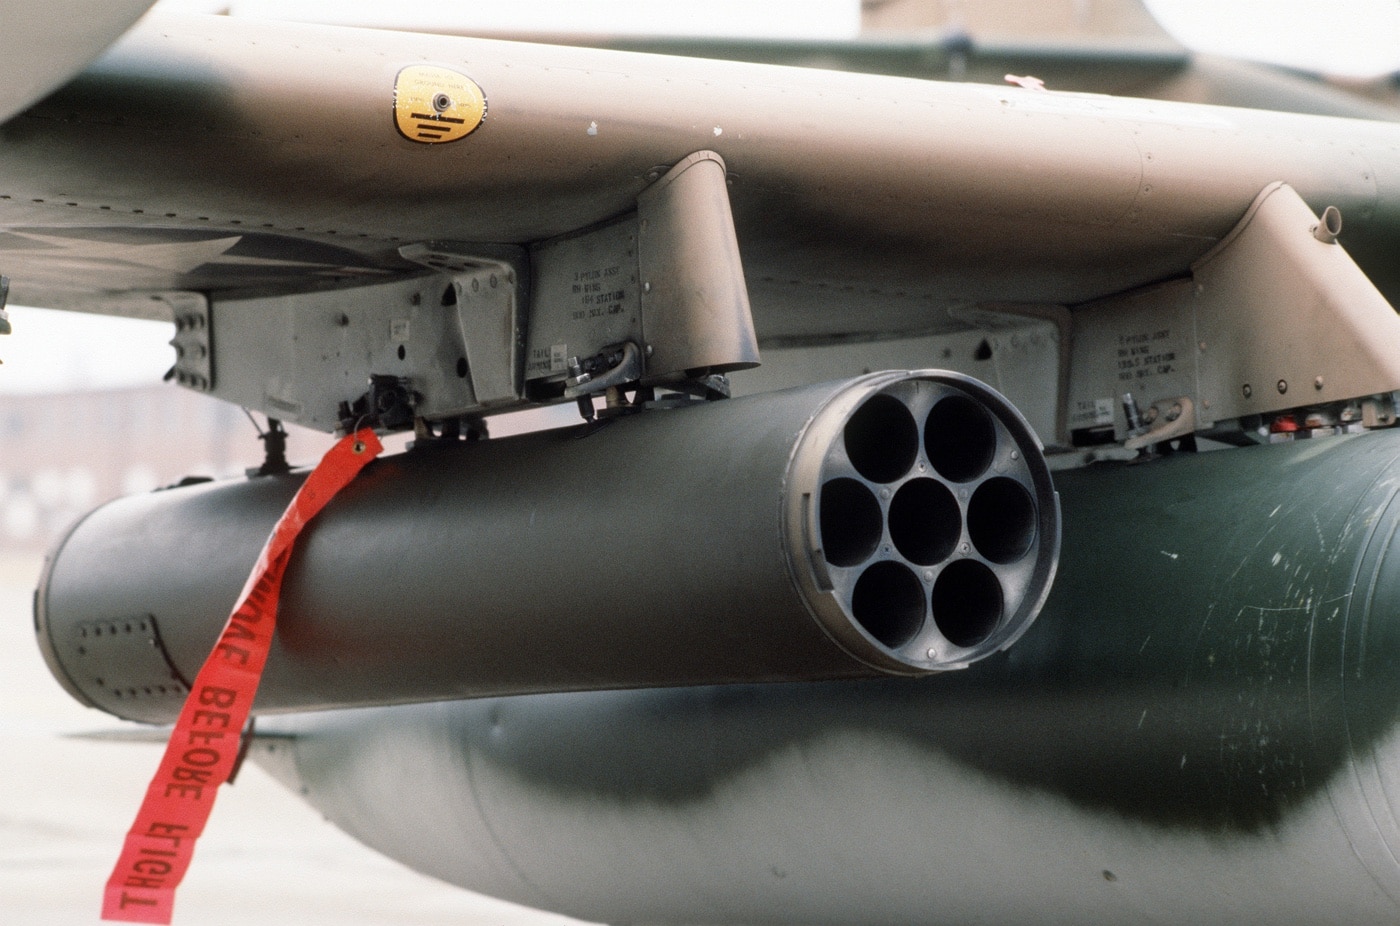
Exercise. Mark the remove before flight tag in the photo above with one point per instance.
(204, 745)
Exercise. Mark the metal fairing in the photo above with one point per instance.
(1202, 732)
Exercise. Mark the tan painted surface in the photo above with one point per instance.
(214, 154)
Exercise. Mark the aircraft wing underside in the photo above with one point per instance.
(207, 161)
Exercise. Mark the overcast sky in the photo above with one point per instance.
(54, 351)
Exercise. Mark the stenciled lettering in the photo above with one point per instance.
(218, 697)
(203, 746)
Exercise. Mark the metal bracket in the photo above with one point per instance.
(1378, 411)
(1275, 317)
(655, 297)
(274, 441)
(615, 366)
(488, 297)
(388, 405)
(193, 342)
(301, 357)
(1166, 420)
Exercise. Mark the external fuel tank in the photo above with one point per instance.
(1203, 726)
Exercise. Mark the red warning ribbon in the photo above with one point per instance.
(204, 746)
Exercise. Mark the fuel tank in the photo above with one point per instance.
(1203, 726)
(899, 523)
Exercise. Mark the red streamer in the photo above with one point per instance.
(204, 746)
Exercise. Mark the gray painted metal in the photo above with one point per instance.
(896, 523)
(1203, 726)
(1272, 318)
(298, 358)
(663, 285)
(1019, 357)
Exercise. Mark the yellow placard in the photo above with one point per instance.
(433, 105)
